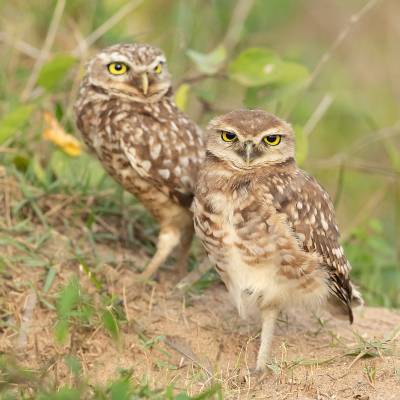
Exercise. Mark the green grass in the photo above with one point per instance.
(19, 383)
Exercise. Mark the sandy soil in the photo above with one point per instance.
(195, 340)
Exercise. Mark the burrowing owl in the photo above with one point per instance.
(127, 116)
(268, 226)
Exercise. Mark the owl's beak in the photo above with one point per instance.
(248, 146)
(145, 83)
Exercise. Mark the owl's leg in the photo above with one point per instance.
(269, 316)
(168, 239)
(183, 250)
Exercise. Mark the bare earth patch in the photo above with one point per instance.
(197, 340)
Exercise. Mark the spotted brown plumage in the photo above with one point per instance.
(267, 225)
(128, 118)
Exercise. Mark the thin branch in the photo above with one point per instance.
(202, 77)
(239, 16)
(48, 43)
(358, 165)
(8, 150)
(80, 48)
(366, 141)
(353, 21)
(318, 114)
(20, 45)
(374, 137)
(107, 25)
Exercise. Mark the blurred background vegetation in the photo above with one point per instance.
(331, 67)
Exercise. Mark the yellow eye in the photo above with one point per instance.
(228, 136)
(272, 140)
(117, 68)
(158, 68)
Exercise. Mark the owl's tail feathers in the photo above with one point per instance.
(344, 310)
(356, 298)
(338, 309)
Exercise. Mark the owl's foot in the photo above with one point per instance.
(255, 376)
(143, 277)
(168, 239)
(189, 279)
(269, 316)
(259, 373)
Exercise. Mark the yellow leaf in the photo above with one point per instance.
(56, 134)
(181, 96)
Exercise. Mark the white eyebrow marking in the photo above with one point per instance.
(226, 129)
(273, 131)
(157, 60)
(114, 57)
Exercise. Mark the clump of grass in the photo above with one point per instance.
(375, 264)
(18, 382)
(370, 372)
(366, 347)
(77, 309)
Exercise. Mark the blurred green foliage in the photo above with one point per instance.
(54, 71)
(279, 55)
(19, 383)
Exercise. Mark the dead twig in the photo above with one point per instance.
(184, 349)
(26, 319)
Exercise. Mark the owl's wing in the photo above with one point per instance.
(311, 215)
(165, 150)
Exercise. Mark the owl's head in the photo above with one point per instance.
(250, 138)
(137, 71)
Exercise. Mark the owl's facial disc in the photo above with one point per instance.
(141, 81)
(250, 138)
(135, 71)
(119, 68)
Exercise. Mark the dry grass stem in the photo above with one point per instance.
(48, 43)
(107, 25)
(26, 319)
